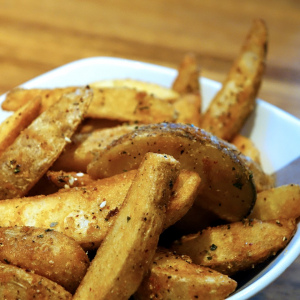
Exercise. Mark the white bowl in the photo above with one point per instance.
(274, 132)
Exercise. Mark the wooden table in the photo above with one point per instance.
(37, 36)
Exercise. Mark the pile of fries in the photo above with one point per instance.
(126, 189)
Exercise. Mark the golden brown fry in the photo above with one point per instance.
(227, 186)
(17, 283)
(232, 105)
(18, 97)
(141, 86)
(14, 124)
(127, 252)
(247, 147)
(176, 277)
(277, 203)
(187, 80)
(237, 246)
(189, 107)
(80, 152)
(87, 213)
(46, 252)
(39, 145)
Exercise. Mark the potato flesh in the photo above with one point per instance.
(237, 246)
(39, 145)
(226, 184)
(127, 252)
(16, 283)
(46, 252)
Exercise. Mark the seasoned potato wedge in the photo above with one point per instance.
(46, 252)
(176, 277)
(227, 187)
(39, 145)
(237, 246)
(247, 147)
(187, 79)
(127, 252)
(87, 213)
(79, 153)
(276, 203)
(17, 283)
(230, 108)
(141, 86)
(14, 124)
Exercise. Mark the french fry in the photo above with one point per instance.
(78, 154)
(127, 252)
(232, 105)
(227, 186)
(87, 213)
(176, 277)
(39, 145)
(14, 124)
(17, 283)
(45, 252)
(141, 86)
(247, 147)
(237, 246)
(276, 203)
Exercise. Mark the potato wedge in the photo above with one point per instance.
(176, 277)
(39, 145)
(227, 186)
(232, 105)
(141, 86)
(78, 154)
(17, 283)
(87, 213)
(127, 252)
(46, 252)
(14, 124)
(276, 203)
(237, 246)
(187, 79)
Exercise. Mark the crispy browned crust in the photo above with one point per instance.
(17, 283)
(237, 246)
(232, 105)
(176, 277)
(39, 145)
(226, 183)
(46, 252)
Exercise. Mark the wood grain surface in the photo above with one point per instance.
(37, 36)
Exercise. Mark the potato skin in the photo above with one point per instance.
(176, 277)
(237, 246)
(227, 186)
(16, 283)
(46, 252)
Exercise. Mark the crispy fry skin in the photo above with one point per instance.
(176, 277)
(17, 122)
(16, 283)
(127, 252)
(87, 213)
(279, 202)
(141, 86)
(237, 246)
(79, 153)
(247, 147)
(232, 105)
(46, 252)
(226, 184)
(187, 79)
(39, 145)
